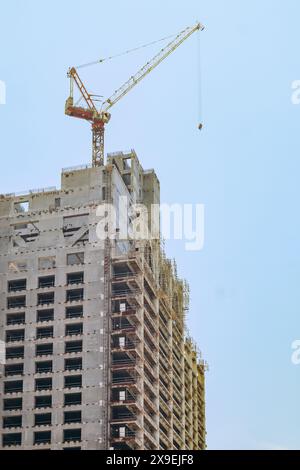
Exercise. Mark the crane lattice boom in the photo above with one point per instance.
(151, 65)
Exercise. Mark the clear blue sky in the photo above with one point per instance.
(244, 166)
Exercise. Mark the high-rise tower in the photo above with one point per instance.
(97, 355)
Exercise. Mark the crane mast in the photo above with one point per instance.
(98, 118)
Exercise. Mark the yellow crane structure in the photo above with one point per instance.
(100, 117)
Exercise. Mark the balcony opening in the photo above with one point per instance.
(164, 414)
(15, 319)
(121, 290)
(44, 419)
(46, 281)
(44, 367)
(73, 223)
(43, 402)
(149, 393)
(75, 258)
(121, 342)
(122, 432)
(73, 364)
(12, 422)
(16, 285)
(44, 350)
(122, 359)
(122, 395)
(17, 266)
(46, 299)
(121, 306)
(42, 333)
(74, 295)
(47, 262)
(16, 302)
(122, 413)
(13, 387)
(15, 353)
(149, 360)
(45, 315)
(43, 384)
(162, 445)
(75, 278)
(12, 404)
(127, 180)
(73, 381)
(74, 329)
(57, 202)
(73, 347)
(72, 399)
(72, 417)
(121, 323)
(127, 163)
(74, 312)
(177, 415)
(72, 435)
(14, 369)
(14, 336)
(42, 437)
(122, 377)
(120, 271)
(21, 207)
(12, 440)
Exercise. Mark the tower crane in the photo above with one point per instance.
(100, 117)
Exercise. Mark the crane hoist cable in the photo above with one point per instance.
(199, 84)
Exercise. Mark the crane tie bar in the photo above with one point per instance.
(99, 61)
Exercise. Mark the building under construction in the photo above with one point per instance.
(96, 351)
(97, 354)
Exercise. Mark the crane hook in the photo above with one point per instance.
(200, 126)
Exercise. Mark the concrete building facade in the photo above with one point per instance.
(94, 328)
